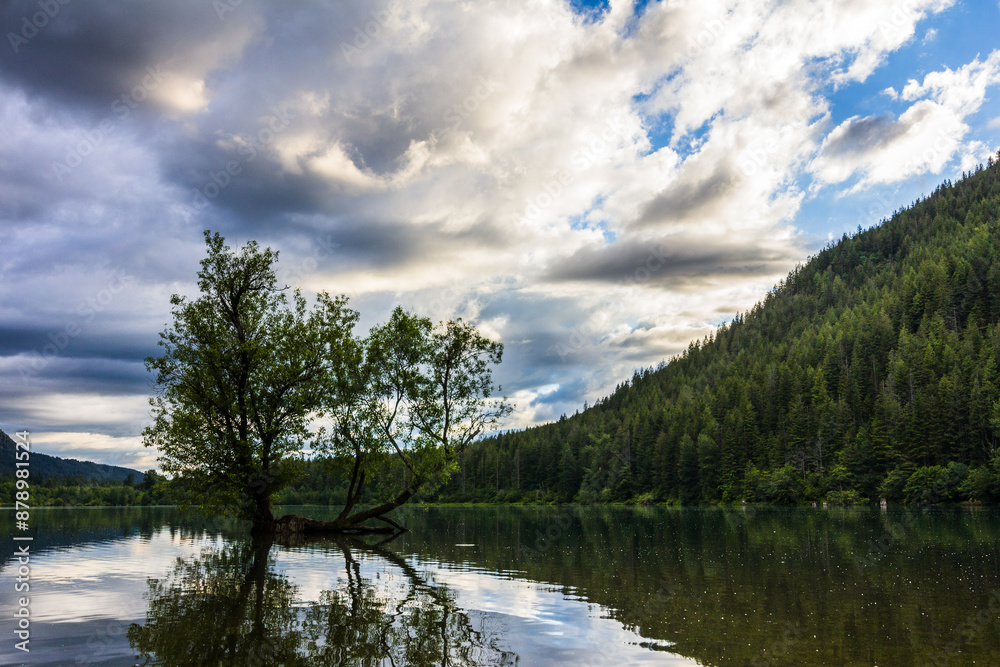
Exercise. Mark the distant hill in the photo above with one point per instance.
(871, 371)
(43, 465)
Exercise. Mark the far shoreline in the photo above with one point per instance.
(662, 505)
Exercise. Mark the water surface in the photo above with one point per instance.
(513, 585)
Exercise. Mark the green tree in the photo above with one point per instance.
(709, 466)
(149, 480)
(243, 367)
(569, 476)
(688, 470)
(419, 393)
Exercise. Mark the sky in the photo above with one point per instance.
(593, 184)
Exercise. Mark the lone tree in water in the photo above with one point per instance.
(412, 395)
(246, 369)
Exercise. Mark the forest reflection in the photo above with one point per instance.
(230, 605)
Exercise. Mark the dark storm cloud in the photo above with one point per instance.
(381, 244)
(688, 196)
(541, 325)
(85, 345)
(243, 183)
(89, 53)
(665, 264)
(223, 159)
(246, 184)
(28, 377)
(861, 135)
(23, 196)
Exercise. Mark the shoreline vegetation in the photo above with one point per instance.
(951, 485)
(661, 505)
(755, 506)
(51, 494)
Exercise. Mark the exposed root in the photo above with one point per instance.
(292, 524)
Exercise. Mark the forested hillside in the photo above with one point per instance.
(43, 465)
(54, 481)
(869, 372)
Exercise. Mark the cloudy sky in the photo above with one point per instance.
(594, 184)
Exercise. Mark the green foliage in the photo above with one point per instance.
(893, 486)
(933, 484)
(246, 369)
(787, 485)
(709, 466)
(407, 402)
(78, 491)
(569, 474)
(981, 485)
(876, 358)
(689, 468)
(845, 498)
(241, 371)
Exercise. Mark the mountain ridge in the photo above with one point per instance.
(870, 371)
(45, 465)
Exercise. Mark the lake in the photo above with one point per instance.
(515, 585)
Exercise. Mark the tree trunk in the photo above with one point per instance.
(384, 508)
(263, 518)
(292, 524)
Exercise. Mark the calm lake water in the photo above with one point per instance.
(510, 585)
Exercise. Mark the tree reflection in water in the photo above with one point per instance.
(230, 606)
